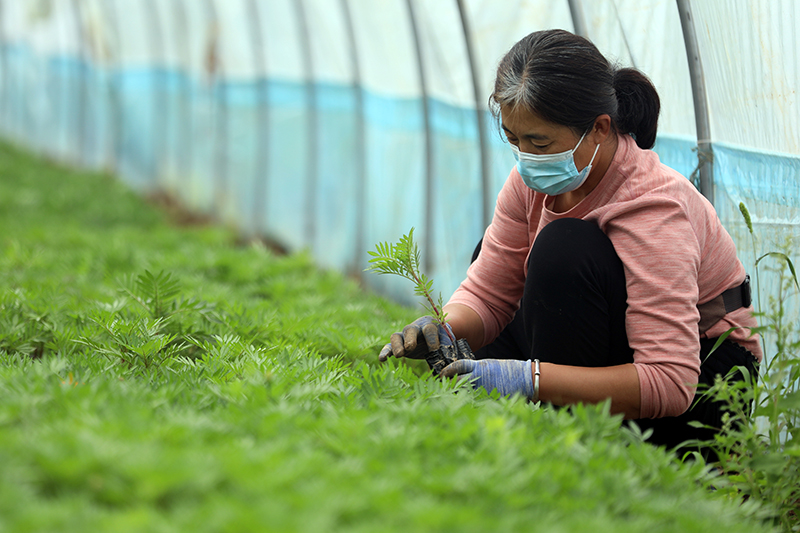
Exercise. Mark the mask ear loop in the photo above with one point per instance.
(589, 166)
(579, 142)
(586, 170)
(583, 174)
(593, 155)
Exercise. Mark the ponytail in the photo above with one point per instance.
(638, 106)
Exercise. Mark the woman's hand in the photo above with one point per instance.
(417, 340)
(423, 335)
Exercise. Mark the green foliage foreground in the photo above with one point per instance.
(165, 379)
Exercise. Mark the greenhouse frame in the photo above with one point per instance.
(331, 125)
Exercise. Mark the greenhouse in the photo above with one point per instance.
(307, 131)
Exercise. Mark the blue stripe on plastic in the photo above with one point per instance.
(753, 173)
(748, 173)
(677, 152)
(120, 108)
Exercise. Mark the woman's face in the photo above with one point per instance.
(534, 135)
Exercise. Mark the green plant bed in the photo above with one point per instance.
(162, 378)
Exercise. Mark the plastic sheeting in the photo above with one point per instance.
(335, 124)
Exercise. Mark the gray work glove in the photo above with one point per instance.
(507, 376)
(417, 340)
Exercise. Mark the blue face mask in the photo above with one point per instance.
(552, 174)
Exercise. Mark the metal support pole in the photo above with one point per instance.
(313, 122)
(80, 110)
(705, 153)
(62, 94)
(116, 114)
(4, 103)
(185, 144)
(262, 156)
(578, 20)
(159, 103)
(483, 142)
(221, 116)
(430, 229)
(360, 141)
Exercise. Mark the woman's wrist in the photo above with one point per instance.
(466, 324)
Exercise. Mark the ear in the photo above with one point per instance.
(602, 129)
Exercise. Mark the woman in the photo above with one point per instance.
(609, 282)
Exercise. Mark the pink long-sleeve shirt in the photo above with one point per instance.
(675, 253)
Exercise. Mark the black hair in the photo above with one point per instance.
(564, 79)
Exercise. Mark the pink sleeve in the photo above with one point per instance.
(661, 254)
(495, 281)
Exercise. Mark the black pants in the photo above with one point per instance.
(572, 312)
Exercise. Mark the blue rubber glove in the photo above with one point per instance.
(507, 376)
(417, 340)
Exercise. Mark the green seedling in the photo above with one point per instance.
(403, 259)
(271, 415)
(758, 448)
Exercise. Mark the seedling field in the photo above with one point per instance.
(159, 377)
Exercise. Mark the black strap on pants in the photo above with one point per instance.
(572, 312)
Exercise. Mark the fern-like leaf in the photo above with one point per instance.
(404, 259)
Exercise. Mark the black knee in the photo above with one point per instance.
(575, 296)
(570, 245)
